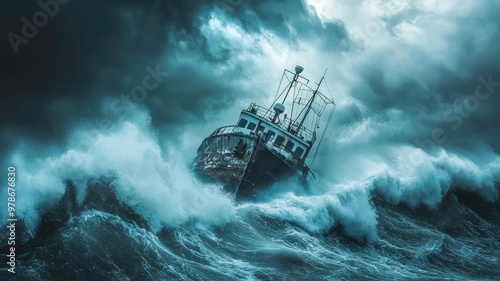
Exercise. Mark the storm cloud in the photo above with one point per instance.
(85, 51)
(435, 70)
(56, 71)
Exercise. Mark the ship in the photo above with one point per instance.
(267, 144)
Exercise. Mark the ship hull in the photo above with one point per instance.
(244, 173)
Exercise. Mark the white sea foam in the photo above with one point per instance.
(416, 178)
(347, 205)
(422, 178)
(159, 186)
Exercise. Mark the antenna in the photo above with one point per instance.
(296, 76)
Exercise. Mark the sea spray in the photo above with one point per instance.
(161, 189)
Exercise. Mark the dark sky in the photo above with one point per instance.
(402, 73)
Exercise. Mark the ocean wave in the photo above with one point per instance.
(158, 186)
(418, 177)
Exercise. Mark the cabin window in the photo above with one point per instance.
(279, 140)
(261, 128)
(242, 123)
(298, 151)
(251, 126)
(269, 135)
(289, 145)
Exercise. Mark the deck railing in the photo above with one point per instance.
(227, 130)
(287, 124)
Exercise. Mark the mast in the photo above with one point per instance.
(310, 103)
(298, 70)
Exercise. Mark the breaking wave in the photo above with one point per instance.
(415, 217)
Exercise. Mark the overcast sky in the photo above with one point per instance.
(402, 73)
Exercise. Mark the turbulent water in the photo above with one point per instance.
(116, 206)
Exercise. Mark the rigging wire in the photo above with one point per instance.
(326, 126)
(276, 96)
(323, 134)
(326, 83)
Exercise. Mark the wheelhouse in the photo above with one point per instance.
(255, 121)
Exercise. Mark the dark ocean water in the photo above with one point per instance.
(92, 212)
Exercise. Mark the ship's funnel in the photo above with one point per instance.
(278, 109)
(299, 69)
